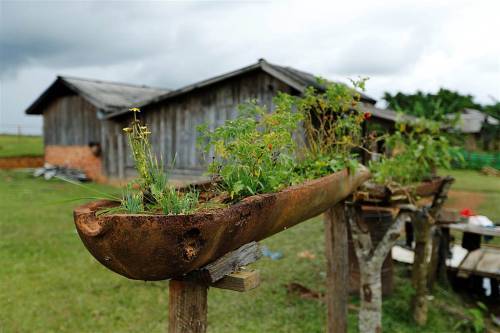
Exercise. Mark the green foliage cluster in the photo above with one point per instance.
(423, 104)
(476, 322)
(333, 128)
(431, 106)
(258, 151)
(416, 150)
(441, 105)
(254, 153)
(492, 109)
(151, 192)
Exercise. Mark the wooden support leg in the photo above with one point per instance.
(420, 269)
(337, 271)
(435, 234)
(188, 296)
(444, 251)
(187, 307)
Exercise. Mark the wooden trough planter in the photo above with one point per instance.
(159, 247)
(387, 196)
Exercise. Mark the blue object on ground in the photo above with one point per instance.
(273, 255)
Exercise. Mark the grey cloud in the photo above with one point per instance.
(171, 44)
(376, 56)
(82, 33)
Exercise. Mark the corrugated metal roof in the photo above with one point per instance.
(308, 79)
(295, 78)
(471, 121)
(107, 97)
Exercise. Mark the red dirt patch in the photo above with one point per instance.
(20, 162)
(464, 199)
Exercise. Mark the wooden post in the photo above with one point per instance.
(444, 249)
(421, 226)
(435, 234)
(188, 295)
(337, 271)
(187, 307)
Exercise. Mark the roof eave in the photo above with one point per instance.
(32, 109)
(261, 64)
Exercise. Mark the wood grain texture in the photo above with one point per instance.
(337, 270)
(174, 122)
(71, 120)
(240, 281)
(227, 264)
(187, 307)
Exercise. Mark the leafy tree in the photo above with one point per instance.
(429, 105)
(493, 109)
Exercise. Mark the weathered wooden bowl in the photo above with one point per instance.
(158, 247)
(386, 195)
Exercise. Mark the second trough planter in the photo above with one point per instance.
(158, 247)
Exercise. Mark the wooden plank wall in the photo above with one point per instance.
(70, 120)
(173, 123)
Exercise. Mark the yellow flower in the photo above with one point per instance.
(127, 130)
(135, 110)
(220, 149)
(346, 139)
(144, 128)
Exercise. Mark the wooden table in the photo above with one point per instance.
(480, 262)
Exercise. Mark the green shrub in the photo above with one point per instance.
(261, 151)
(333, 128)
(254, 153)
(417, 149)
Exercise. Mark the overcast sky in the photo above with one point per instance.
(400, 45)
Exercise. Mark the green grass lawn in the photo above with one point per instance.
(475, 182)
(50, 283)
(14, 145)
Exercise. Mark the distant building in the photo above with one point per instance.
(481, 131)
(73, 110)
(83, 119)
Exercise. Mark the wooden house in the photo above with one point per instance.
(73, 110)
(174, 115)
(479, 130)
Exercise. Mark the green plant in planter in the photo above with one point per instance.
(332, 127)
(260, 151)
(416, 149)
(151, 193)
(255, 152)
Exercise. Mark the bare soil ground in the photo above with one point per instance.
(465, 199)
(19, 162)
